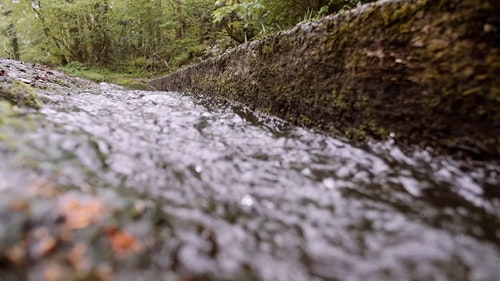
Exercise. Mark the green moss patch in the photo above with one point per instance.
(19, 94)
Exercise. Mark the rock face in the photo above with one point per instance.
(426, 71)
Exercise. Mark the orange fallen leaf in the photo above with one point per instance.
(53, 272)
(122, 242)
(81, 213)
(17, 254)
(43, 188)
(77, 257)
(19, 205)
(45, 246)
(104, 272)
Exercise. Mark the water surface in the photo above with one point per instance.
(250, 197)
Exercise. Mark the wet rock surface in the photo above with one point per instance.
(104, 183)
(424, 70)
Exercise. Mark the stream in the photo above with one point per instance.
(246, 196)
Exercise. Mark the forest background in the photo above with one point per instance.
(102, 39)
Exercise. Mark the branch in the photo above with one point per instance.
(6, 50)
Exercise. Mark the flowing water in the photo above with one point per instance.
(249, 197)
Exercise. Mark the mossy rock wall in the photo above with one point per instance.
(427, 71)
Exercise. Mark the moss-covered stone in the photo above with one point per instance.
(424, 70)
(18, 93)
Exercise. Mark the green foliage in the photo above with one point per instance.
(125, 78)
(141, 37)
(8, 30)
(80, 70)
(246, 19)
(240, 19)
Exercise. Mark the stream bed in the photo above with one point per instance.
(105, 183)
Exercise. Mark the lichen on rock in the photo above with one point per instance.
(19, 94)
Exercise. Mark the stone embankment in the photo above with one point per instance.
(423, 71)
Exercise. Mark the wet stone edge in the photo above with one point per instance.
(383, 70)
